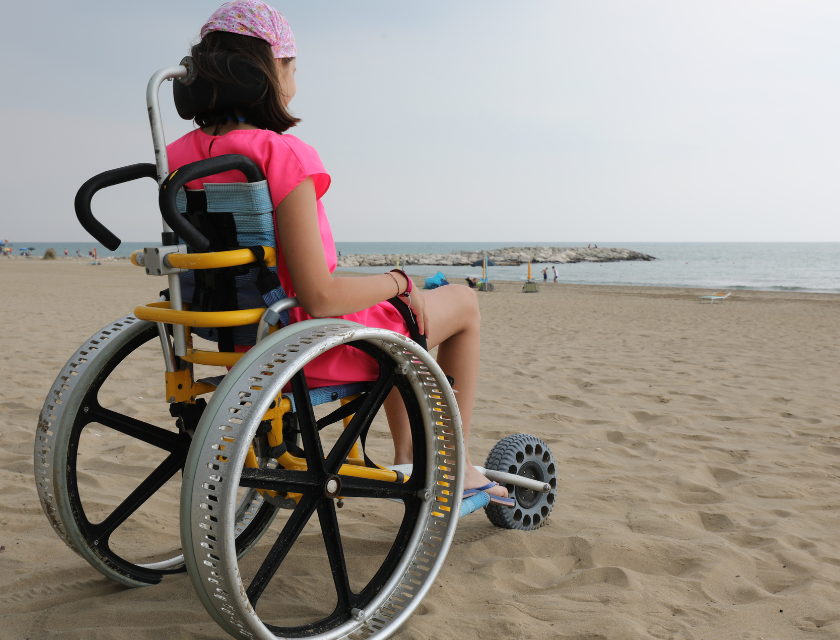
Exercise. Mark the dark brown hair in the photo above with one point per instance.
(267, 111)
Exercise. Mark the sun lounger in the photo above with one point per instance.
(715, 296)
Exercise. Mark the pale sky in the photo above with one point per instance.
(460, 120)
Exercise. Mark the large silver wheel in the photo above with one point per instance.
(270, 594)
(107, 479)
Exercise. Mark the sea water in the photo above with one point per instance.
(772, 266)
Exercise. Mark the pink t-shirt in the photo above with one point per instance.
(286, 161)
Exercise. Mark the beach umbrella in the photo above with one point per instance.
(481, 263)
(485, 281)
(530, 286)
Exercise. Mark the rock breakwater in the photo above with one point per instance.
(508, 255)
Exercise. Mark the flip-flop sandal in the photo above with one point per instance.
(494, 499)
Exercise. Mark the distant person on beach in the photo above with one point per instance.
(545, 275)
(448, 317)
(65, 252)
(472, 284)
(554, 268)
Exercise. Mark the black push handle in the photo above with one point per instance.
(195, 171)
(107, 179)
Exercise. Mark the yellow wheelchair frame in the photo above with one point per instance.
(181, 386)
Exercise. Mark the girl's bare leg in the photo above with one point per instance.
(455, 328)
(400, 428)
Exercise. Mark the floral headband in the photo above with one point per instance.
(255, 19)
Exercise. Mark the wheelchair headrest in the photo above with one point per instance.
(238, 83)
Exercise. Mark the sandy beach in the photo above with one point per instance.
(698, 449)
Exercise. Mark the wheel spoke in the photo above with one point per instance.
(145, 490)
(361, 419)
(278, 479)
(335, 554)
(342, 412)
(352, 487)
(143, 431)
(401, 541)
(280, 549)
(307, 424)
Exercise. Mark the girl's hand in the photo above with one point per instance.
(418, 306)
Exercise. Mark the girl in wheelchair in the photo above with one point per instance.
(234, 250)
(447, 317)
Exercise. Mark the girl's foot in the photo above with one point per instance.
(474, 478)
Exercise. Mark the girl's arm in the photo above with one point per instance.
(320, 294)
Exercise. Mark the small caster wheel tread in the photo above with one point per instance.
(528, 456)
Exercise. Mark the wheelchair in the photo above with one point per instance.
(246, 444)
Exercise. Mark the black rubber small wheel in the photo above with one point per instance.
(530, 457)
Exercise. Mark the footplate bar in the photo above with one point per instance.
(496, 476)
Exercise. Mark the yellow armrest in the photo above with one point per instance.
(161, 312)
(220, 259)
